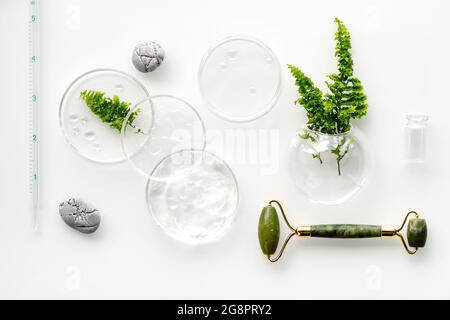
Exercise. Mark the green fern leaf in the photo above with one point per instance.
(111, 111)
(331, 113)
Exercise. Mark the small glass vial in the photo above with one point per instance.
(415, 143)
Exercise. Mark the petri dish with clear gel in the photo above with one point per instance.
(82, 129)
(240, 78)
(193, 196)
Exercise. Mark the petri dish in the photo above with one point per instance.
(193, 196)
(83, 130)
(162, 125)
(240, 78)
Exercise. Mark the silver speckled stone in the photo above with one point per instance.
(79, 215)
(148, 56)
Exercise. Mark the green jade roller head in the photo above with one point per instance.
(269, 231)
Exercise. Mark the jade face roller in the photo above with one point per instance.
(269, 231)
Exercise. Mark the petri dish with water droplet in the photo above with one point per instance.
(83, 130)
(193, 196)
(240, 78)
(162, 124)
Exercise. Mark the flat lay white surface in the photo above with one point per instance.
(400, 50)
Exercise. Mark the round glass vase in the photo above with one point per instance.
(328, 168)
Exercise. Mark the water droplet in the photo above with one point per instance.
(172, 203)
(73, 117)
(89, 135)
(119, 87)
(232, 54)
(223, 65)
(97, 147)
(155, 153)
(269, 60)
(76, 131)
(252, 90)
(84, 121)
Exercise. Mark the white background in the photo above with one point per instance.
(401, 51)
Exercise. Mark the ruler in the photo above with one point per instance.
(34, 102)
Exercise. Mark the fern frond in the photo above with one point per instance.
(346, 100)
(111, 111)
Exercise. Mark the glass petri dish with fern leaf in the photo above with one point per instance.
(93, 109)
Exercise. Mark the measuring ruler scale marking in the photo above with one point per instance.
(34, 103)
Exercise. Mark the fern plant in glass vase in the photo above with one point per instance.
(327, 158)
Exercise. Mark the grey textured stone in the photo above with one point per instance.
(148, 56)
(80, 215)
